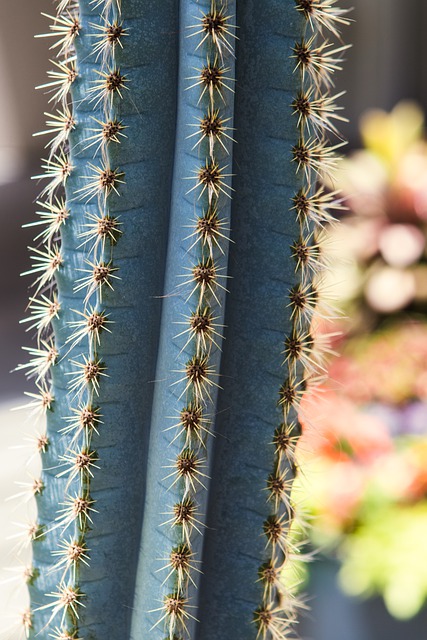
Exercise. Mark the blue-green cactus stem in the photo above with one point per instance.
(175, 279)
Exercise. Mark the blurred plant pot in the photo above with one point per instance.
(335, 616)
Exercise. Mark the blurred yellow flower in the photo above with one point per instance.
(389, 135)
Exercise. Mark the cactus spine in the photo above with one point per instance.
(169, 452)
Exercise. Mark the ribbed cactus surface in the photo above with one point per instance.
(177, 272)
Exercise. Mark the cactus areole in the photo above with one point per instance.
(175, 283)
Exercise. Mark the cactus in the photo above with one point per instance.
(176, 273)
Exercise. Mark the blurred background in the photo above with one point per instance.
(364, 450)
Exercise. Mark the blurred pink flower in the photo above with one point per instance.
(401, 244)
(334, 427)
(388, 366)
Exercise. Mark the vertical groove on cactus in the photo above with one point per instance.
(164, 502)
(187, 380)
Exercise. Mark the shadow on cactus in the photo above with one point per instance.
(177, 273)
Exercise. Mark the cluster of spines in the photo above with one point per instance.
(214, 34)
(47, 261)
(97, 238)
(95, 243)
(315, 111)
